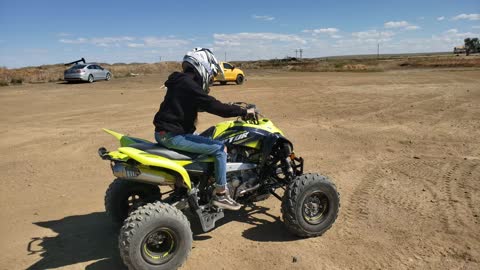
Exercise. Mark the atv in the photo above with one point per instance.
(156, 233)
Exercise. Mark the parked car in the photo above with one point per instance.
(230, 74)
(89, 72)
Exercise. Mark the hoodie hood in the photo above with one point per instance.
(175, 78)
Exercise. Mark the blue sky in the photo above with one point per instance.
(48, 32)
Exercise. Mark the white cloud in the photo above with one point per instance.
(373, 34)
(135, 45)
(242, 38)
(331, 32)
(164, 42)
(74, 41)
(471, 17)
(441, 18)
(263, 17)
(254, 46)
(101, 42)
(109, 41)
(322, 31)
(412, 27)
(453, 37)
(159, 42)
(399, 24)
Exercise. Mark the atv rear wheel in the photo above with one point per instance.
(310, 205)
(124, 196)
(155, 236)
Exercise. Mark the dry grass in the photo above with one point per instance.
(313, 65)
(364, 63)
(51, 73)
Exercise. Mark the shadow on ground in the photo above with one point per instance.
(80, 239)
(93, 237)
(264, 230)
(71, 82)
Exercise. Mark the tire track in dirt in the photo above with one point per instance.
(460, 195)
(472, 173)
(410, 176)
(389, 185)
(357, 213)
(446, 202)
(450, 208)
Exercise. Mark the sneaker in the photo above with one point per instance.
(226, 202)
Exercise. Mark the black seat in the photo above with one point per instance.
(159, 150)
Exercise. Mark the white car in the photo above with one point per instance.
(89, 72)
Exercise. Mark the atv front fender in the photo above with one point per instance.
(157, 161)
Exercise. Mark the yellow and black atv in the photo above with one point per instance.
(157, 235)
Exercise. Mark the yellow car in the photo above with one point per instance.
(230, 74)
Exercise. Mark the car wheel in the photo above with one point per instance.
(90, 78)
(239, 79)
(108, 77)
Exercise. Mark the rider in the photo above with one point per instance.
(187, 94)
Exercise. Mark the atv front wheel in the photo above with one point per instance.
(124, 196)
(156, 236)
(310, 205)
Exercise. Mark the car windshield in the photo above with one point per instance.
(78, 67)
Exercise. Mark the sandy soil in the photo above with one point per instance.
(403, 148)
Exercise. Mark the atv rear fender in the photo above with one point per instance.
(125, 152)
(158, 161)
(124, 140)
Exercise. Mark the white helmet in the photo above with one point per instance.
(205, 65)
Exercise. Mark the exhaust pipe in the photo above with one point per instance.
(146, 175)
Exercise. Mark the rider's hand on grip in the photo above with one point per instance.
(251, 115)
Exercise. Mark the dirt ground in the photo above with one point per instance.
(403, 148)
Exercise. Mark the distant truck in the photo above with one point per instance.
(230, 74)
(459, 49)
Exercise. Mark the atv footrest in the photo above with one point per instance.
(208, 219)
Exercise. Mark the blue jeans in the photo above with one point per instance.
(199, 145)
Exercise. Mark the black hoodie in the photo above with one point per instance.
(184, 98)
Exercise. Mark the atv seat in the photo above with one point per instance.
(160, 150)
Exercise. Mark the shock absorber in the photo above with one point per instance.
(287, 161)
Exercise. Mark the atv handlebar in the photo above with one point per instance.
(249, 117)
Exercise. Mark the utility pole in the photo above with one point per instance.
(301, 51)
(296, 53)
(378, 50)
